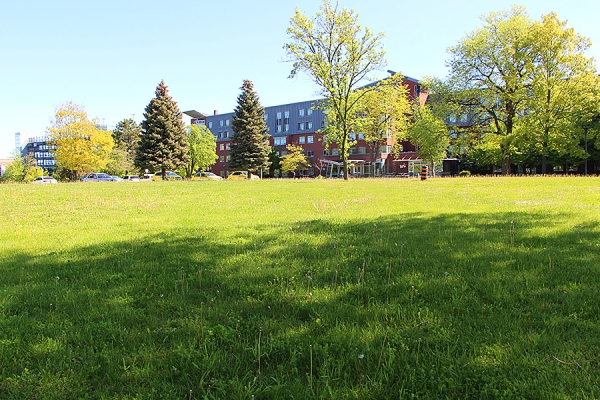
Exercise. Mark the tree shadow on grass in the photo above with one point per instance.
(454, 306)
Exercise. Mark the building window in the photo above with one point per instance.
(220, 122)
(286, 127)
(220, 135)
(279, 141)
(352, 150)
(227, 147)
(335, 151)
(362, 150)
(352, 136)
(300, 126)
(361, 136)
(309, 111)
(301, 139)
(301, 112)
(309, 139)
(221, 147)
(279, 115)
(322, 124)
(210, 124)
(226, 122)
(326, 151)
(222, 158)
(266, 117)
(278, 128)
(283, 153)
(309, 125)
(228, 158)
(310, 153)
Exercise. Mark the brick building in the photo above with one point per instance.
(298, 123)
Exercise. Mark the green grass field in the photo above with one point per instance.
(470, 288)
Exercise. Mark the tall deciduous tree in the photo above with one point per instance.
(430, 134)
(202, 149)
(383, 114)
(564, 88)
(250, 142)
(164, 142)
(338, 54)
(81, 146)
(490, 73)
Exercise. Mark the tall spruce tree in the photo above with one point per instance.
(163, 143)
(250, 143)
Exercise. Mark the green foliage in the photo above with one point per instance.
(164, 143)
(275, 161)
(464, 173)
(126, 136)
(202, 149)
(250, 143)
(301, 289)
(15, 171)
(338, 55)
(430, 134)
(81, 147)
(529, 82)
(294, 160)
(382, 114)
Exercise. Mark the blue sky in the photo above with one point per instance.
(110, 55)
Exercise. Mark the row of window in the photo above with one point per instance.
(42, 154)
(224, 146)
(46, 162)
(222, 122)
(46, 147)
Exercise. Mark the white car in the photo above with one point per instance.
(44, 179)
(97, 177)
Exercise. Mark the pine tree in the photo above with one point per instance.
(163, 143)
(250, 143)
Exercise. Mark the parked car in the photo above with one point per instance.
(241, 175)
(147, 178)
(169, 176)
(117, 178)
(97, 177)
(44, 179)
(206, 176)
(131, 178)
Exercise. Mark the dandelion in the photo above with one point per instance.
(57, 277)
(161, 295)
(361, 356)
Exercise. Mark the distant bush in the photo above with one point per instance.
(464, 173)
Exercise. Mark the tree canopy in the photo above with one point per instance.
(81, 147)
(338, 55)
(164, 142)
(250, 142)
(294, 159)
(430, 134)
(202, 149)
(527, 82)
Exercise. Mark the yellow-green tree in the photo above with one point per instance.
(339, 56)
(383, 112)
(564, 90)
(294, 159)
(430, 135)
(81, 147)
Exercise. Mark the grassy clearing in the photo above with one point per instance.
(449, 288)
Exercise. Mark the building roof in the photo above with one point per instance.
(194, 114)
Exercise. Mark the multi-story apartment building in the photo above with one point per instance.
(298, 124)
(41, 151)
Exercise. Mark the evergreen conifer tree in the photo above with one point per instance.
(250, 143)
(163, 143)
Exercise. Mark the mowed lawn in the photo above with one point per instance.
(462, 288)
